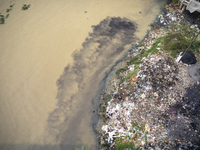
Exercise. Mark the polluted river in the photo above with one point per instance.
(54, 58)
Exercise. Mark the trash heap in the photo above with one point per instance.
(145, 110)
(160, 107)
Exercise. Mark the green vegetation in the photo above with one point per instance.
(137, 60)
(138, 127)
(2, 19)
(133, 60)
(142, 44)
(7, 16)
(132, 74)
(124, 145)
(130, 61)
(102, 108)
(175, 1)
(7, 10)
(178, 39)
(82, 148)
(25, 7)
(153, 48)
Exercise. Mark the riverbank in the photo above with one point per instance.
(137, 110)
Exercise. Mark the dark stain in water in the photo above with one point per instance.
(70, 123)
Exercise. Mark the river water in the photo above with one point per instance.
(53, 58)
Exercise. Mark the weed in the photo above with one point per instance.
(133, 60)
(2, 20)
(7, 16)
(138, 127)
(178, 38)
(124, 145)
(142, 44)
(132, 74)
(153, 48)
(175, 1)
(82, 148)
(25, 7)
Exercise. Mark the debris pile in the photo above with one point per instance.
(160, 107)
(143, 112)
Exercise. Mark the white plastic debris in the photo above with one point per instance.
(131, 67)
(105, 128)
(179, 57)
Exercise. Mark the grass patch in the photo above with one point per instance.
(124, 145)
(130, 61)
(138, 127)
(153, 48)
(133, 60)
(132, 74)
(178, 39)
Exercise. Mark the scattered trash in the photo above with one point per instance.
(131, 67)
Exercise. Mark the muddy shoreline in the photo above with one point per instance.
(110, 73)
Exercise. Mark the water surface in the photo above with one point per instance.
(52, 61)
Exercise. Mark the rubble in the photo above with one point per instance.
(154, 109)
(147, 101)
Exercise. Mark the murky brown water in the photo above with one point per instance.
(42, 106)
